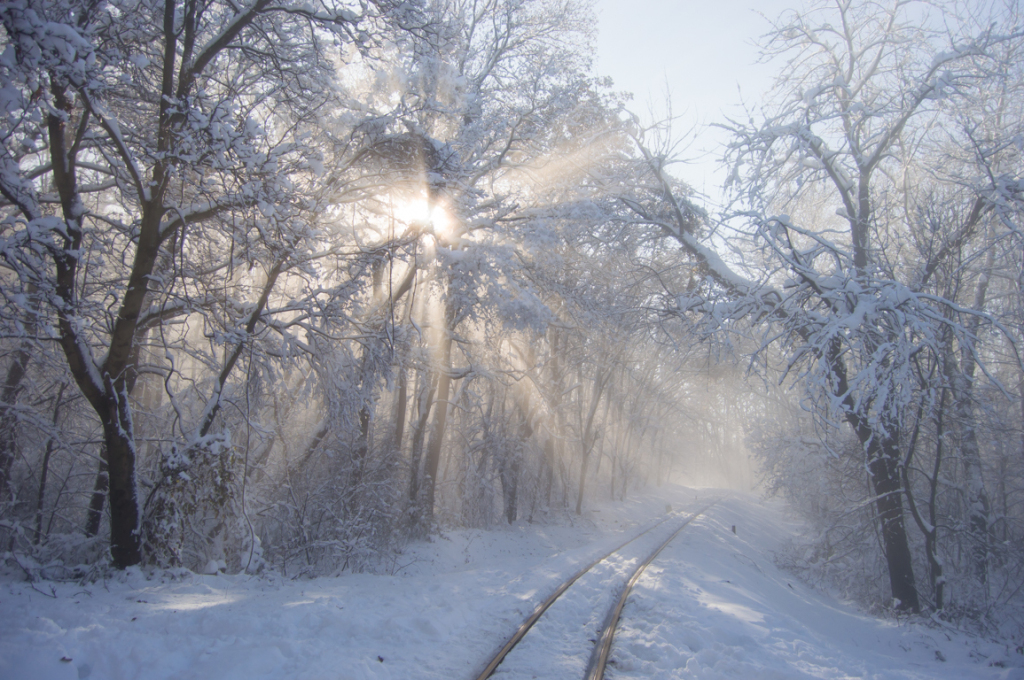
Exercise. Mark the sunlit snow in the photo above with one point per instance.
(713, 605)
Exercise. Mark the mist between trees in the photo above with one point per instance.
(285, 285)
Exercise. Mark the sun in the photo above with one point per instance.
(432, 215)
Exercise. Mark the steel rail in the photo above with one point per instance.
(544, 605)
(599, 657)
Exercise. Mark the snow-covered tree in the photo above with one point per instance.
(828, 179)
(152, 153)
(320, 270)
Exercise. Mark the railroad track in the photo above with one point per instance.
(603, 644)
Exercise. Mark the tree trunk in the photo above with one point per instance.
(45, 468)
(100, 488)
(884, 465)
(444, 383)
(401, 404)
(424, 404)
(970, 453)
(8, 419)
(588, 434)
(611, 484)
(961, 380)
(549, 469)
(509, 474)
(583, 483)
(884, 468)
(362, 447)
(151, 399)
(929, 528)
(510, 469)
(125, 543)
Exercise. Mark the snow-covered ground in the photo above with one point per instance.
(713, 605)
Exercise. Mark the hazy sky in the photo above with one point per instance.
(703, 52)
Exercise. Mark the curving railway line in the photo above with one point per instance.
(603, 642)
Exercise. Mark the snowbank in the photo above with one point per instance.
(712, 606)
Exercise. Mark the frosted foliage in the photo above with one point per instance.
(288, 284)
(875, 197)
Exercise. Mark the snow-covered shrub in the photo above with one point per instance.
(821, 472)
(824, 479)
(194, 517)
(333, 511)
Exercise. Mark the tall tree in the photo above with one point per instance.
(152, 122)
(846, 125)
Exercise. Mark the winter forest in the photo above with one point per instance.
(285, 285)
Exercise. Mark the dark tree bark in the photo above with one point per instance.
(8, 419)
(929, 528)
(885, 476)
(45, 467)
(362, 446)
(100, 487)
(884, 464)
(509, 475)
(76, 116)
